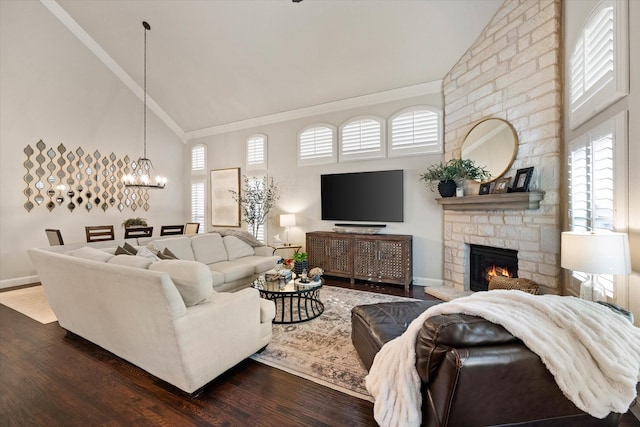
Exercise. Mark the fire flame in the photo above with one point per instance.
(497, 271)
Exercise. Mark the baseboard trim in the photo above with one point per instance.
(425, 281)
(18, 281)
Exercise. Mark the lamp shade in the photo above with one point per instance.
(598, 253)
(287, 220)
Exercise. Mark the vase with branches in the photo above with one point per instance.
(256, 199)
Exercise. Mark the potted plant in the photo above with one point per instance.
(300, 262)
(134, 222)
(446, 177)
(256, 200)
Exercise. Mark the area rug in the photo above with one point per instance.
(31, 302)
(321, 350)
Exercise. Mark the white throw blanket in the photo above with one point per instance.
(592, 352)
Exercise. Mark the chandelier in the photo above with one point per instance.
(143, 169)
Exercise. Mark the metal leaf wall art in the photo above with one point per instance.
(75, 179)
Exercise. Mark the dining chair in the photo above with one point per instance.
(98, 233)
(192, 228)
(138, 232)
(169, 230)
(54, 236)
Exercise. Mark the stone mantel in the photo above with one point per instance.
(506, 201)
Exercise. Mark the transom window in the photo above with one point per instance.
(257, 152)
(415, 130)
(317, 145)
(362, 138)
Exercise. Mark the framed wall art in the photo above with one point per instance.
(523, 178)
(485, 188)
(225, 211)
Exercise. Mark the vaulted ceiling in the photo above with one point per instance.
(214, 62)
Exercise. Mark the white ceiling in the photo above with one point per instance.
(214, 62)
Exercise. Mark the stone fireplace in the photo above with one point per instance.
(512, 72)
(485, 262)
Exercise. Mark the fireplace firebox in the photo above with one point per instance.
(487, 262)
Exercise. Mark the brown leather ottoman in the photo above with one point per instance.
(374, 324)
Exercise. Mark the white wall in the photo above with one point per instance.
(576, 12)
(53, 88)
(300, 186)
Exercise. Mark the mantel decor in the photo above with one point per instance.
(76, 179)
(503, 201)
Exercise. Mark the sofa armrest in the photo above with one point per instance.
(267, 310)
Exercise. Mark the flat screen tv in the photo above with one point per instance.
(363, 196)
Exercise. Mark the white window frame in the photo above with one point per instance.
(611, 86)
(252, 145)
(318, 160)
(364, 154)
(415, 148)
(197, 208)
(618, 128)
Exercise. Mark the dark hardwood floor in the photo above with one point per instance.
(51, 378)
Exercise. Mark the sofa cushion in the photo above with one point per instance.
(208, 248)
(236, 248)
(232, 270)
(131, 261)
(91, 253)
(260, 263)
(192, 279)
(217, 278)
(180, 246)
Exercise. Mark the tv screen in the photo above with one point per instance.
(363, 196)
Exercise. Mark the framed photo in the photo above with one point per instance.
(502, 185)
(225, 212)
(523, 177)
(485, 188)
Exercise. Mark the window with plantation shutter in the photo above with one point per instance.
(362, 138)
(198, 184)
(257, 152)
(596, 182)
(599, 63)
(317, 145)
(257, 231)
(415, 130)
(198, 204)
(198, 153)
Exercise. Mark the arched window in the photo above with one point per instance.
(317, 145)
(362, 138)
(415, 130)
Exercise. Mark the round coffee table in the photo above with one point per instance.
(295, 302)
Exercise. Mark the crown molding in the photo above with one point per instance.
(329, 107)
(111, 64)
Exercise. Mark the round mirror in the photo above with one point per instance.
(492, 143)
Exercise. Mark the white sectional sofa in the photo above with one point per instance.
(233, 263)
(175, 318)
(163, 316)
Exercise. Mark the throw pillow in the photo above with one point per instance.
(166, 254)
(91, 253)
(245, 236)
(192, 279)
(180, 246)
(127, 247)
(131, 261)
(145, 252)
(122, 251)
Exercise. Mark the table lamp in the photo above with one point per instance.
(595, 253)
(287, 221)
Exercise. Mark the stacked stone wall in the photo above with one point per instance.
(512, 72)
